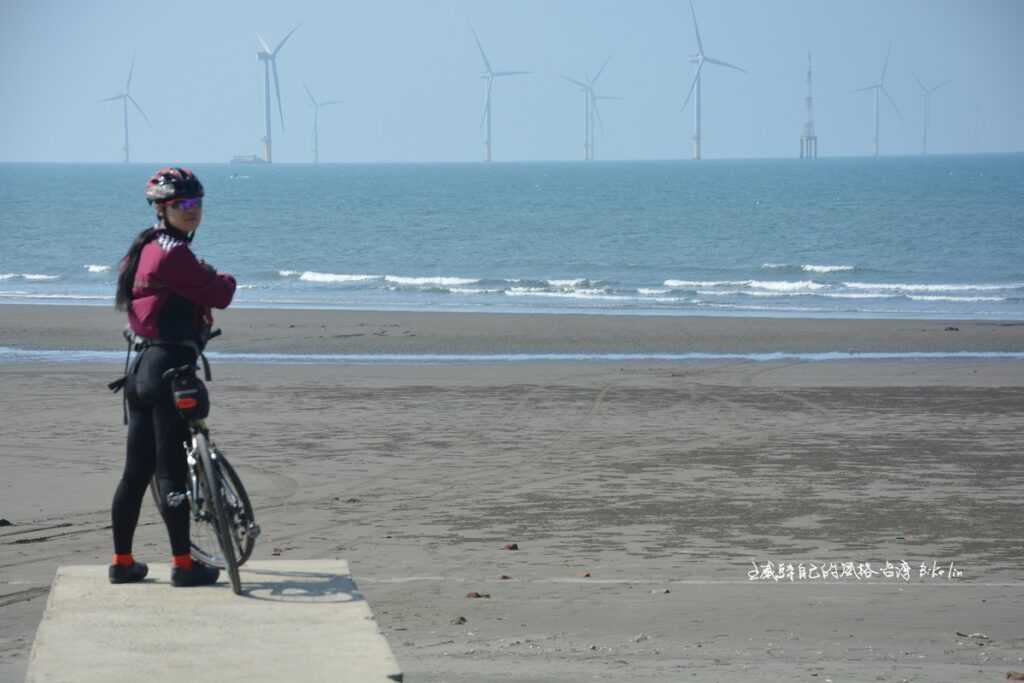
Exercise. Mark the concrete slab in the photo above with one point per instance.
(298, 620)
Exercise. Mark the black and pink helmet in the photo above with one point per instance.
(169, 184)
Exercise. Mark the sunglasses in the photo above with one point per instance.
(186, 204)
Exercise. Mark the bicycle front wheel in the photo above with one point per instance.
(210, 480)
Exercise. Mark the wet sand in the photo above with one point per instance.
(639, 494)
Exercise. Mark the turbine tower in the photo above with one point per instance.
(269, 59)
(879, 87)
(489, 75)
(809, 139)
(926, 93)
(317, 106)
(699, 59)
(590, 109)
(125, 98)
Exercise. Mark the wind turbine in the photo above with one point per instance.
(317, 106)
(879, 87)
(590, 110)
(700, 59)
(926, 93)
(125, 98)
(269, 59)
(489, 75)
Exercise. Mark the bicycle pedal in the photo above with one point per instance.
(253, 531)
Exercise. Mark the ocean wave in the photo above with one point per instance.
(960, 299)
(590, 294)
(335, 278)
(470, 291)
(807, 267)
(31, 277)
(289, 273)
(784, 286)
(646, 291)
(71, 297)
(435, 281)
(908, 287)
(97, 269)
(811, 268)
(693, 284)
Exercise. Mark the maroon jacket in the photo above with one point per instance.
(174, 292)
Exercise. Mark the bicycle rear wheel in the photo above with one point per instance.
(209, 476)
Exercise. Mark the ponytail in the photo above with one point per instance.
(129, 265)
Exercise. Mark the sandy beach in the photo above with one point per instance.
(641, 495)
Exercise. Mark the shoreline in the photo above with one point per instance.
(305, 331)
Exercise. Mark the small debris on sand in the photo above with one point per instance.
(510, 546)
(474, 594)
(458, 621)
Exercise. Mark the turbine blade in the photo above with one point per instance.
(700, 45)
(947, 82)
(885, 66)
(920, 84)
(726, 64)
(487, 63)
(867, 87)
(311, 98)
(600, 71)
(608, 97)
(284, 40)
(496, 74)
(111, 99)
(131, 70)
(132, 100)
(597, 113)
(263, 43)
(330, 102)
(892, 102)
(692, 86)
(277, 88)
(576, 83)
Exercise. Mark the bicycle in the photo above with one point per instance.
(224, 528)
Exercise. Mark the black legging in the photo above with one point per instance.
(156, 434)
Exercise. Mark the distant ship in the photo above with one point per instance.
(248, 159)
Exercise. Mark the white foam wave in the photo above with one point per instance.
(645, 291)
(8, 276)
(73, 297)
(590, 294)
(907, 287)
(961, 299)
(434, 281)
(774, 266)
(810, 268)
(464, 290)
(336, 278)
(568, 283)
(783, 286)
(36, 277)
(97, 269)
(691, 284)
(289, 273)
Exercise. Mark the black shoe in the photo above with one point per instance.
(127, 573)
(199, 575)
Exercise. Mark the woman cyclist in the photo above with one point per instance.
(167, 294)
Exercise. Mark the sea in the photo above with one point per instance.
(938, 237)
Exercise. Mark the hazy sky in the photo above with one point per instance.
(409, 74)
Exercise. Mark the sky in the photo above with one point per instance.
(408, 72)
